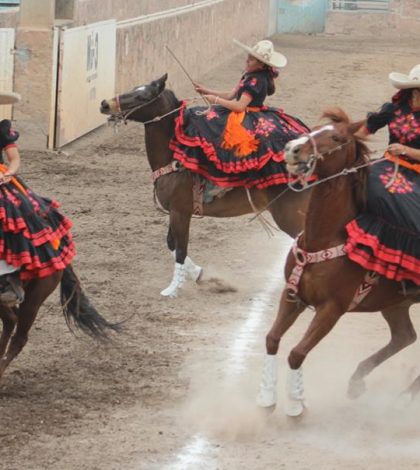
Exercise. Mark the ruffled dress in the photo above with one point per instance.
(237, 149)
(386, 238)
(34, 235)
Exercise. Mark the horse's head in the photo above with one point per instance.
(330, 148)
(137, 103)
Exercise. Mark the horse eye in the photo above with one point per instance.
(335, 138)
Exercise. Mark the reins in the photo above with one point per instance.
(122, 116)
(344, 172)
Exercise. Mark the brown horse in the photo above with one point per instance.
(330, 284)
(77, 310)
(156, 107)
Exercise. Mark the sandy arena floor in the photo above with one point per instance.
(177, 390)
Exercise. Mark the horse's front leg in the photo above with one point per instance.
(9, 320)
(287, 314)
(402, 335)
(180, 228)
(36, 292)
(194, 271)
(325, 318)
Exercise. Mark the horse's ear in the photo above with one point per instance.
(160, 82)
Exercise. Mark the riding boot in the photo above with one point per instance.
(11, 289)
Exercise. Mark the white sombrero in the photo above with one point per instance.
(264, 52)
(402, 81)
(9, 97)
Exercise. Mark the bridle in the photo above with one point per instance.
(121, 116)
(307, 169)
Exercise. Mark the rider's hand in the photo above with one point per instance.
(200, 89)
(5, 178)
(212, 99)
(397, 149)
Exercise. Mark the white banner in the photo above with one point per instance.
(86, 74)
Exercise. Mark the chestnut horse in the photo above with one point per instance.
(327, 279)
(156, 107)
(77, 310)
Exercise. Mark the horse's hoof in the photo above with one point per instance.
(267, 398)
(196, 274)
(266, 410)
(357, 388)
(295, 408)
(169, 292)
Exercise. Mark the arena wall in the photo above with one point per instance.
(9, 18)
(199, 33)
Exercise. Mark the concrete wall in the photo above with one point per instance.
(403, 20)
(9, 18)
(90, 11)
(33, 80)
(201, 39)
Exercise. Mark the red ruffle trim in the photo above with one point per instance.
(392, 264)
(242, 165)
(230, 181)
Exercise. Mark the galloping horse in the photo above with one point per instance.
(156, 107)
(77, 310)
(318, 272)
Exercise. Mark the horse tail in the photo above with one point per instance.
(79, 312)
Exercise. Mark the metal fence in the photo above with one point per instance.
(359, 5)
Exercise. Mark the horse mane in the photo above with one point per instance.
(171, 98)
(360, 178)
(336, 115)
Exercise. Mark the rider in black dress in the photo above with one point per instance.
(386, 238)
(239, 141)
(35, 238)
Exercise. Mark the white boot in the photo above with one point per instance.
(177, 281)
(267, 394)
(295, 393)
(194, 271)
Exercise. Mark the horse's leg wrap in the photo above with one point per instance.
(267, 394)
(177, 281)
(295, 394)
(194, 271)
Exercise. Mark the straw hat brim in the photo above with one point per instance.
(277, 60)
(402, 81)
(9, 97)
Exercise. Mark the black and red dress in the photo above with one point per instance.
(34, 235)
(386, 238)
(237, 149)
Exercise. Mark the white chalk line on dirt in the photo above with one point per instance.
(199, 452)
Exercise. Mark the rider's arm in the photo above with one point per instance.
(227, 95)
(13, 158)
(400, 149)
(233, 105)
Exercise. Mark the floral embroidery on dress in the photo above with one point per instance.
(405, 127)
(400, 184)
(264, 127)
(253, 81)
(211, 114)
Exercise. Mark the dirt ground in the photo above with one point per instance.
(176, 391)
